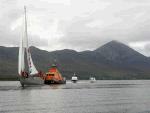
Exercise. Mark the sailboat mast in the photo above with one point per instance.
(22, 46)
(26, 38)
(32, 70)
(26, 30)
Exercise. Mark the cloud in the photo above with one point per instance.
(142, 46)
(77, 24)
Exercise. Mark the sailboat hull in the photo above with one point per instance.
(31, 81)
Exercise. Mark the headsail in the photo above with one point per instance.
(32, 69)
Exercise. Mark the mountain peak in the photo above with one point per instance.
(111, 45)
(116, 50)
(114, 41)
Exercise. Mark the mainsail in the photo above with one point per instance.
(25, 48)
(21, 66)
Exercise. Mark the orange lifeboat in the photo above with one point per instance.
(53, 76)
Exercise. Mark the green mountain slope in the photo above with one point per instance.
(113, 60)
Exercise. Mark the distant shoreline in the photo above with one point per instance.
(9, 79)
(16, 79)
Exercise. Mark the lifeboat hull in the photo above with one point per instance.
(74, 81)
(54, 82)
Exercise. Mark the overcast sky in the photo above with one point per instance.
(77, 24)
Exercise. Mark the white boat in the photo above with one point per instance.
(28, 73)
(92, 79)
(74, 78)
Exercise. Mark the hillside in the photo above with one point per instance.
(113, 60)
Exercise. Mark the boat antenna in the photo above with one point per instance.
(55, 62)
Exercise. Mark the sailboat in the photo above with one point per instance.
(28, 74)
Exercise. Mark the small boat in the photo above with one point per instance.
(92, 79)
(28, 74)
(53, 76)
(74, 78)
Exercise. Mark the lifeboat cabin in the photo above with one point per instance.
(53, 76)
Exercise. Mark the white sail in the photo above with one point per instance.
(32, 69)
(25, 48)
(21, 58)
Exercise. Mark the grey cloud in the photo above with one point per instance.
(37, 41)
(134, 25)
(146, 50)
(123, 20)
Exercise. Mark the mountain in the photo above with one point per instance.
(121, 54)
(117, 51)
(114, 60)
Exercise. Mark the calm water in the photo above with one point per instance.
(131, 96)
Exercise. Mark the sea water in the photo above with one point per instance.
(112, 96)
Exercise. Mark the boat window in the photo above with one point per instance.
(51, 74)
